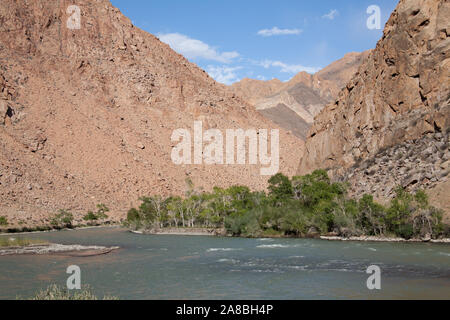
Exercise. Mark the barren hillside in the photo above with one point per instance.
(86, 115)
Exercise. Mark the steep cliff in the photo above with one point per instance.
(395, 113)
(400, 93)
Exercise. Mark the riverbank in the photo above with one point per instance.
(59, 249)
(223, 233)
(383, 239)
(184, 232)
(14, 232)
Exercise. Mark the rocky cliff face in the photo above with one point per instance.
(415, 164)
(294, 104)
(86, 115)
(399, 95)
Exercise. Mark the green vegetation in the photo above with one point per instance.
(63, 219)
(304, 206)
(97, 216)
(3, 221)
(19, 242)
(55, 292)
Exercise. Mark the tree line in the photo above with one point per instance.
(303, 206)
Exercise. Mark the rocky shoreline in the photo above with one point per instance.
(58, 249)
(382, 239)
(183, 232)
(222, 233)
(4, 233)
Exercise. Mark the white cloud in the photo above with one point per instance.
(192, 48)
(275, 31)
(223, 74)
(262, 78)
(288, 68)
(331, 15)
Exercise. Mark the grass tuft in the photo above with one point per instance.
(55, 292)
(19, 242)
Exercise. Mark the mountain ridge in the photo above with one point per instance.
(305, 94)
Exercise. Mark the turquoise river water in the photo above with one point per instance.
(192, 267)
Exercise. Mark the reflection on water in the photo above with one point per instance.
(177, 267)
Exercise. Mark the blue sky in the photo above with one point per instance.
(260, 39)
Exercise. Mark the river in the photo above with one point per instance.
(196, 267)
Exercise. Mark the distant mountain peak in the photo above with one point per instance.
(304, 94)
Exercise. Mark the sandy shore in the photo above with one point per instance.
(58, 249)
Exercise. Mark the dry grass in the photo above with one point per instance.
(55, 292)
(19, 242)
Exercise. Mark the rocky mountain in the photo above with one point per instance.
(253, 90)
(390, 124)
(294, 104)
(87, 111)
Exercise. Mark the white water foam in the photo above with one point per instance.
(273, 246)
(222, 249)
(228, 261)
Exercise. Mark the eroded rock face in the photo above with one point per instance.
(401, 93)
(92, 112)
(415, 164)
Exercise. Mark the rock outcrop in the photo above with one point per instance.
(87, 114)
(414, 164)
(303, 97)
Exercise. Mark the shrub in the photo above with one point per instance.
(90, 216)
(133, 215)
(3, 221)
(411, 215)
(63, 219)
(406, 231)
(99, 215)
(296, 223)
(101, 211)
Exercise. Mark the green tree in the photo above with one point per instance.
(372, 216)
(280, 187)
(398, 217)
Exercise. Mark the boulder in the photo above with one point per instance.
(3, 111)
